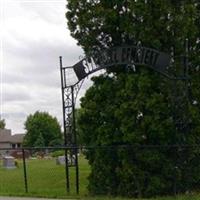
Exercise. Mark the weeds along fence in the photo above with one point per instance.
(170, 170)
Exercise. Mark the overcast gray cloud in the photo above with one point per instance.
(34, 36)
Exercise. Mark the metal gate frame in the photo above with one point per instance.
(70, 93)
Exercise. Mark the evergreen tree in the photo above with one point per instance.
(133, 109)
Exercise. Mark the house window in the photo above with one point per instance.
(13, 146)
(18, 145)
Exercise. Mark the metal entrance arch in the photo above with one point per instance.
(72, 78)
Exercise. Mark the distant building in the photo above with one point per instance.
(7, 140)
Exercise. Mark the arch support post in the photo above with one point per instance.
(69, 127)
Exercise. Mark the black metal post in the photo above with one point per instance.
(186, 58)
(25, 174)
(67, 170)
(64, 124)
(75, 141)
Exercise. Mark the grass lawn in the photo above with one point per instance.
(46, 179)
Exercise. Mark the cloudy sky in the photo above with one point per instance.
(33, 35)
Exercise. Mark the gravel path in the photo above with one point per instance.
(26, 198)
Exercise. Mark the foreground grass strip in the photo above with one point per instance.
(180, 197)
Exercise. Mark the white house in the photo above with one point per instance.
(7, 140)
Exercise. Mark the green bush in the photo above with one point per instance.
(121, 161)
(57, 153)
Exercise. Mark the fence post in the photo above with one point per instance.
(77, 170)
(67, 170)
(175, 169)
(25, 174)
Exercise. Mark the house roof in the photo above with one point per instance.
(5, 136)
(17, 138)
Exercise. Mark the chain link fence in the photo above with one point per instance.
(42, 171)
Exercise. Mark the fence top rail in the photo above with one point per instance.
(101, 147)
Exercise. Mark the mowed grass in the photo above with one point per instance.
(46, 179)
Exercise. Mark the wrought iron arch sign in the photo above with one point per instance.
(72, 78)
(127, 55)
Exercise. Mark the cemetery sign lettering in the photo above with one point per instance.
(127, 55)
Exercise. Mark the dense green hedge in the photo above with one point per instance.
(136, 154)
(139, 108)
